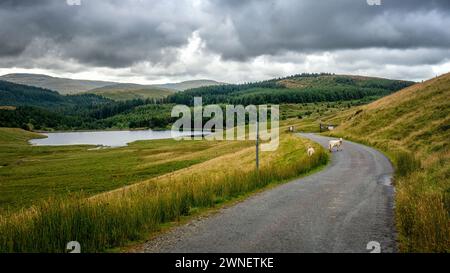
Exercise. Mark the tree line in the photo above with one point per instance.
(42, 109)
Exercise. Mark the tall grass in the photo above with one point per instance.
(422, 219)
(406, 163)
(114, 219)
(422, 212)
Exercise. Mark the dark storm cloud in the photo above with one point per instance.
(120, 33)
(254, 27)
(100, 33)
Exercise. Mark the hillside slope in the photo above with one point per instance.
(32, 107)
(128, 91)
(301, 88)
(75, 86)
(12, 94)
(413, 127)
(181, 86)
(61, 85)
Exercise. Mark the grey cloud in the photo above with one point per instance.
(121, 33)
(98, 33)
(271, 27)
(408, 57)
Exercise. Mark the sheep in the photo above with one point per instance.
(310, 151)
(335, 143)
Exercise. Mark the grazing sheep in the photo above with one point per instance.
(310, 151)
(335, 143)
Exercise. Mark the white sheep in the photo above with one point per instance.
(335, 143)
(310, 151)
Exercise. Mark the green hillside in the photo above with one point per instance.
(12, 94)
(124, 91)
(185, 85)
(134, 107)
(76, 86)
(302, 88)
(61, 85)
(31, 107)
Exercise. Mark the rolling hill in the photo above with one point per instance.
(302, 88)
(114, 90)
(181, 86)
(132, 103)
(32, 107)
(12, 94)
(128, 91)
(413, 127)
(61, 85)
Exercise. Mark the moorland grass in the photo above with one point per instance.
(113, 219)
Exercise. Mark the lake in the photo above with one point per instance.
(105, 138)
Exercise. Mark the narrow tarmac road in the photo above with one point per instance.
(340, 209)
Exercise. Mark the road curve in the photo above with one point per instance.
(340, 209)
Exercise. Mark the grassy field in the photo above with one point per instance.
(105, 198)
(29, 174)
(412, 127)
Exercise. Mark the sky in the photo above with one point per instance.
(234, 41)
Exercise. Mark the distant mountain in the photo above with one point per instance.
(115, 90)
(33, 107)
(181, 86)
(129, 91)
(13, 94)
(61, 85)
